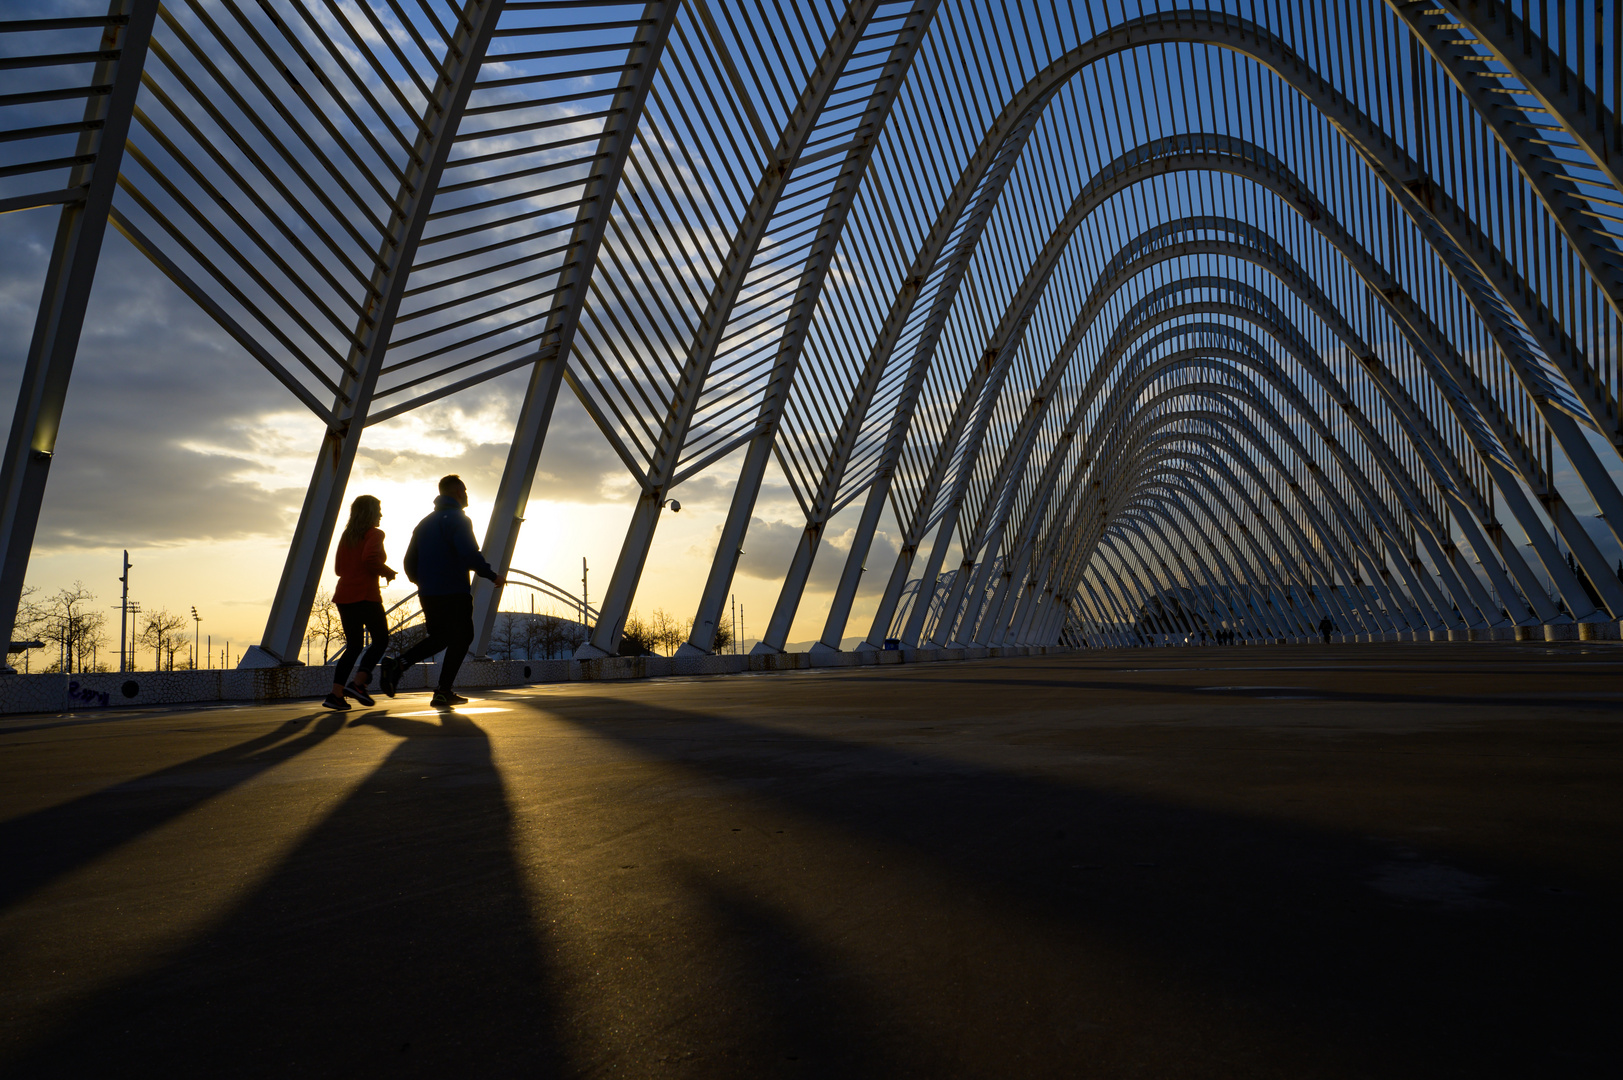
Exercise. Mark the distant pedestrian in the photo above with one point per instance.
(1325, 627)
(359, 563)
(442, 552)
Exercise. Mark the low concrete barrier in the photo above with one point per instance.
(105, 690)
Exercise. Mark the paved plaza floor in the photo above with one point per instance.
(1362, 860)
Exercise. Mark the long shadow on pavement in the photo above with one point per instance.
(1387, 964)
(37, 848)
(1586, 699)
(397, 939)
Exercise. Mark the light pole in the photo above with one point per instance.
(135, 610)
(197, 628)
(123, 611)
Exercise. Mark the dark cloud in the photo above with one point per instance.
(154, 383)
(169, 435)
(770, 546)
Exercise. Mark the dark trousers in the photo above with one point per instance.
(361, 617)
(450, 627)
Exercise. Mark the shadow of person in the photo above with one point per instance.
(37, 848)
(450, 725)
(396, 938)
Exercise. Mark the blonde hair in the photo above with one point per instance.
(364, 514)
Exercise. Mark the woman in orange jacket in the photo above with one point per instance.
(359, 564)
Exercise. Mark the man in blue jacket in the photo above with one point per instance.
(441, 553)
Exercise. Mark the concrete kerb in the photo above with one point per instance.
(59, 693)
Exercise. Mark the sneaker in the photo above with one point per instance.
(359, 694)
(444, 700)
(388, 675)
(335, 701)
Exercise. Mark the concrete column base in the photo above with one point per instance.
(1560, 631)
(1598, 631)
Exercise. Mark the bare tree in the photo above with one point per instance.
(551, 634)
(175, 644)
(161, 631)
(537, 638)
(32, 617)
(666, 631)
(71, 625)
(573, 634)
(506, 633)
(324, 625)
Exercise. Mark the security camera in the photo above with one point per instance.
(675, 506)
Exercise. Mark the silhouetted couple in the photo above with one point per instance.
(359, 563)
(438, 560)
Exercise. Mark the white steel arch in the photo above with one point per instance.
(1263, 312)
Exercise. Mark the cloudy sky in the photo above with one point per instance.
(180, 447)
(177, 446)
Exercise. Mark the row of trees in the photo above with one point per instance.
(66, 622)
(663, 632)
(541, 637)
(515, 635)
(78, 633)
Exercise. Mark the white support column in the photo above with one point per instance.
(713, 321)
(81, 226)
(974, 601)
(1565, 582)
(557, 340)
(932, 570)
(856, 564)
(397, 250)
(821, 258)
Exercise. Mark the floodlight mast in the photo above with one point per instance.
(124, 612)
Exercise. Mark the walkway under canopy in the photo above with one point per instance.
(1352, 861)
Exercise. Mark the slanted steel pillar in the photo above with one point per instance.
(535, 415)
(323, 500)
(80, 228)
(723, 297)
(810, 291)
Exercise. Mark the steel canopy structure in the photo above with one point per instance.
(1122, 316)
